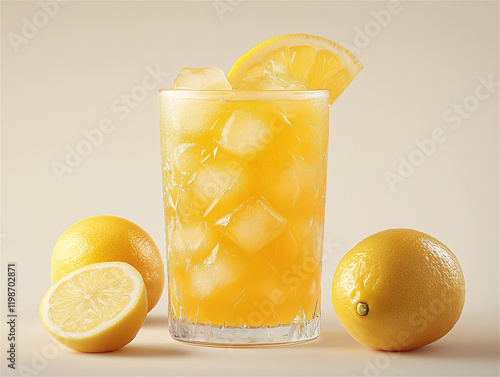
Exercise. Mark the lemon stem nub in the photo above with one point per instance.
(362, 308)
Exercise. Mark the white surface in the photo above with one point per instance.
(469, 350)
(76, 72)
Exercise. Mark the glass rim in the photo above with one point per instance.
(242, 95)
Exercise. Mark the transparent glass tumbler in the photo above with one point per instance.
(244, 176)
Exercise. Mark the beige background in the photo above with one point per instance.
(72, 72)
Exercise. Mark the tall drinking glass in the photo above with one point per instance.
(244, 176)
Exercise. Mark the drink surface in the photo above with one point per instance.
(244, 192)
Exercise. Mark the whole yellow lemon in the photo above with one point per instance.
(110, 239)
(398, 289)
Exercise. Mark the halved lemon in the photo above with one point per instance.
(323, 64)
(96, 308)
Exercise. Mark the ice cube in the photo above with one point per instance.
(208, 78)
(216, 180)
(192, 243)
(186, 207)
(297, 184)
(271, 75)
(184, 119)
(186, 156)
(212, 180)
(187, 120)
(252, 225)
(218, 271)
(244, 135)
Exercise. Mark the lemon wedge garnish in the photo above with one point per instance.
(321, 63)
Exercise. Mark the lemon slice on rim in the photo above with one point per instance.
(96, 308)
(323, 64)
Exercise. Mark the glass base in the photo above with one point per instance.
(222, 336)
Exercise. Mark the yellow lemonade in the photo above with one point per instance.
(244, 175)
